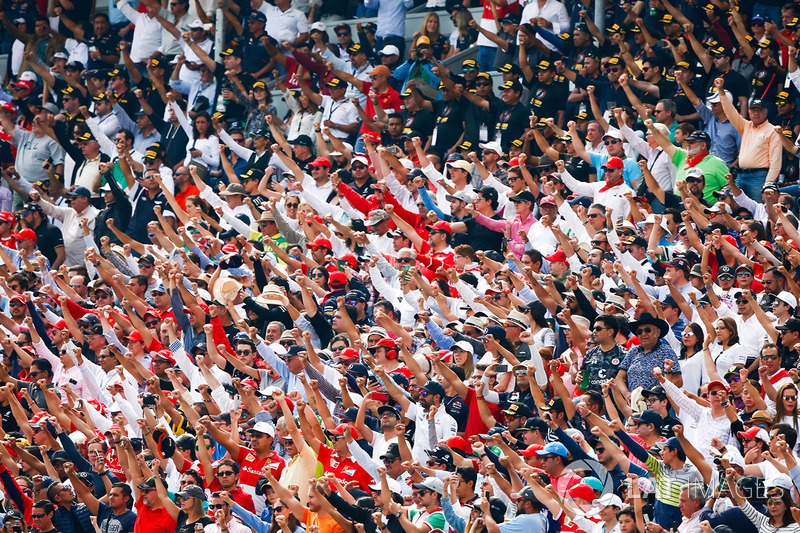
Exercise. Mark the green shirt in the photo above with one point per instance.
(712, 166)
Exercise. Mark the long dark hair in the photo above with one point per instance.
(698, 343)
(292, 523)
(210, 131)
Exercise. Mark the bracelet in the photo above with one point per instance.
(479, 397)
(208, 401)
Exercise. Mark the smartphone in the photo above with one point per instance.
(341, 264)
(501, 368)
(405, 272)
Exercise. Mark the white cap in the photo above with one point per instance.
(60, 55)
(464, 345)
(614, 134)
(28, 76)
(493, 146)
(263, 427)
(407, 163)
(318, 26)
(360, 159)
(607, 500)
(714, 98)
(394, 486)
(390, 50)
(788, 298)
(781, 481)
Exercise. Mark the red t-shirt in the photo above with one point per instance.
(389, 101)
(9, 242)
(238, 495)
(251, 466)
(153, 521)
(345, 470)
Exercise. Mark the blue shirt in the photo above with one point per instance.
(630, 169)
(391, 16)
(639, 365)
(725, 139)
(525, 523)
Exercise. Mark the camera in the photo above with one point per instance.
(231, 261)
(149, 400)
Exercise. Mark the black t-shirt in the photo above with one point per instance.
(477, 119)
(456, 408)
(48, 238)
(254, 56)
(111, 523)
(765, 82)
(233, 108)
(734, 82)
(577, 167)
(547, 99)
(129, 103)
(483, 238)
(666, 88)
(183, 527)
(510, 121)
(421, 121)
(449, 123)
(107, 45)
(685, 107)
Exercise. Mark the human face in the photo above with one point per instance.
(775, 505)
(227, 476)
(648, 336)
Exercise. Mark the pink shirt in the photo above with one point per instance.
(515, 245)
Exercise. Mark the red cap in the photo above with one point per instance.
(250, 382)
(351, 260)
(135, 336)
(514, 162)
(548, 200)
(766, 244)
(531, 450)
(386, 343)
(582, 491)
(731, 240)
(559, 256)
(171, 397)
(614, 162)
(26, 233)
(152, 311)
(719, 384)
(18, 298)
(320, 162)
(60, 324)
(7, 216)
(165, 354)
(749, 434)
(348, 353)
(441, 225)
(459, 443)
(337, 278)
(320, 241)
(230, 249)
(24, 84)
(373, 136)
(793, 244)
(8, 106)
(340, 429)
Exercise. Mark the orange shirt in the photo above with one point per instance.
(761, 148)
(326, 523)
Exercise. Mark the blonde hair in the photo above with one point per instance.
(424, 30)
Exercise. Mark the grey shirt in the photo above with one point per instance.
(32, 152)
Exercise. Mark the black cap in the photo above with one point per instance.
(433, 387)
(793, 324)
(392, 452)
(726, 270)
(658, 390)
(533, 424)
(443, 455)
(524, 196)
(257, 15)
(59, 455)
(302, 140)
(699, 135)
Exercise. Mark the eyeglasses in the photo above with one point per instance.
(35, 516)
(34, 374)
(740, 301)
(790, 397)
(613, 69)
(704, 395)
(217, 505)
(598, 243)
(733, 379)
(646, 330)
(743, 274)
(423, 394)
(226, 473)
(468, 69)
(483, 84)
(291, 206)
(611, 141)
(424, 492)
(318, 275)
(774, 501)
(693, 180)
(342, 33)
(770, 356)
(16, 304)
(431, 462)
(151, 324)
(599, 449)
(406, 259)
(277, 509)
(714, 392)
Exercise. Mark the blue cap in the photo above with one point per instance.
(79, 191)
(349, 414)
(554, 448)
(295, 350)
(649, 416)
(434, 387)
(674, 443)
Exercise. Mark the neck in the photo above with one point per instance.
(607, 345)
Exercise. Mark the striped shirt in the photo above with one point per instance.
(669, 481)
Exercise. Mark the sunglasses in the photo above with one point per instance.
(226, 473)
(790, 397)
(771, 356)
(244, 352)
(714, 392)
(733, 379)
(483, 84)
(277, 509)
(592, 215)
(342, 33)
(405, 259)
(217, 505)
(423, 394)
(151, 324)
(612, 141)
(646, 330)
(292, 206)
